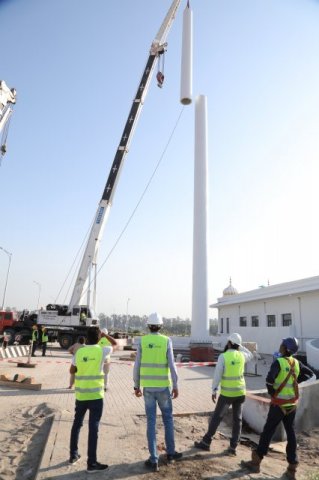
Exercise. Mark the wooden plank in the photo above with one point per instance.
(25, 386)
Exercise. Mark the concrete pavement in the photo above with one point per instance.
(122, 411)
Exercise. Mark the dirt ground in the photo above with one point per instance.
(216, 465)
(23, 433)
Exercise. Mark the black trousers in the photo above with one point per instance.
(275, 416)
(34, 347)
(222, 406)
(44, 348)
(95, 408)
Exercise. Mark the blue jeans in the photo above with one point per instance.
(95, 408)
(164, 400)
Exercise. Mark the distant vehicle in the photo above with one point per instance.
(66, 323)
(16, 327)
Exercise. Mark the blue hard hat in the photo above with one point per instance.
(291, 344)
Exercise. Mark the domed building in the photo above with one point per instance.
(230, 290)
(269, 313)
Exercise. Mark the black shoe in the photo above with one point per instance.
(202, 446)
(96, 467)
(151, 465)
(231, 452)
(75, 458)
(176, 456)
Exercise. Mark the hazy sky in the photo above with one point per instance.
(76, 65)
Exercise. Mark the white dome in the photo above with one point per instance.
(230, 290)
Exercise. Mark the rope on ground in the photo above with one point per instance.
(178, 364)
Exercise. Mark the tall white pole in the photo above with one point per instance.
(187, 57)
(39, 292)
(127, 314)
(200, 320)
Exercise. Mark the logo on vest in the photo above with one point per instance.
(86, 359)
(152, 345)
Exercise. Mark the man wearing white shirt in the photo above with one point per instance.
(229, 374)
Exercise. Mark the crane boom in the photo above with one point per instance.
(91, 250)
(7, 99)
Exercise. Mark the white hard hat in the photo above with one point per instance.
(104, 330)
(235, 338)
(154, 319)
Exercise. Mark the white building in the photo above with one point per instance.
(268, 314)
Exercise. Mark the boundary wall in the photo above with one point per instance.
(257, 404)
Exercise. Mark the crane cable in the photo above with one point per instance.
(140, 199)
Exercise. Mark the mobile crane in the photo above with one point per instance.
(66, 323)
(7, 100)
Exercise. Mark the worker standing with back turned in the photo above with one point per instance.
(282, 384)
(155, 370)
(87, 364)
(229, 373)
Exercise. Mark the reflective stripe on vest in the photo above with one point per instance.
(233, 382)
(89, 378)
(287, 396)
(154, 370)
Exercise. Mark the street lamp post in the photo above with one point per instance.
(39, 286)
(6, 283)
(127, 314)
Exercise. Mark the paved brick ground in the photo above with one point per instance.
(121, 412)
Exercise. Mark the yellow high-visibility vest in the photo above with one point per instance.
(154, 370)
(233, 382)
(288, 395)
(104, 342)
(89, 378)
(45, 337)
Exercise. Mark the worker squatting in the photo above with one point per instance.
(155, 378)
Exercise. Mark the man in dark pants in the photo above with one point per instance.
(44, 340)
(35, 339)
(87, 365)
(229, 373)
(282, 383)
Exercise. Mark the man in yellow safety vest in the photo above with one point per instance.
(44, 340)
(282, 384)
(229, 373)
(105, 341)
(35, 339)
(155, 371)
(87, 365)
